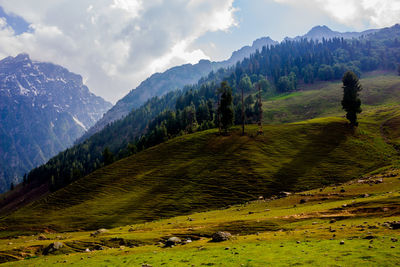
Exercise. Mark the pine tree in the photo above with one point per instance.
(351, 102)
(108, 157)
(259, 108)
(242, 110)
(225, 107)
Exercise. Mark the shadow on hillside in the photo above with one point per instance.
(172, 197)
(321, 144)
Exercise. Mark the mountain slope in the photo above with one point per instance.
(207, 171)
(163, 118)
(333, 223)
(175, 78)
(43, 108)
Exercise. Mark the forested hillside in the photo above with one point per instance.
(277, 69)
(174, 78)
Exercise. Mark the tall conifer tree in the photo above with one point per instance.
(351, 102)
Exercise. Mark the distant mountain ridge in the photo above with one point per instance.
(320, 32)
(43, 109)
(159, 84)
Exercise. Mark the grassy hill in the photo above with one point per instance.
(205, 171)
(346, 225)
(323, 98)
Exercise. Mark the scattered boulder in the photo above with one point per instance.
(42, 237)
(172, 241)
(221, 236)
(302, 201)
(395, 225)
(131, 230)
(341, 242)
(369, 237)
(99, 231)
(393, 239)
(53, 247)
(284, 194)
(342, 190)
(146, 265)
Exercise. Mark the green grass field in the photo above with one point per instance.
(278, 232)
(323, 99)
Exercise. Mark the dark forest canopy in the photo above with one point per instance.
(277, 69)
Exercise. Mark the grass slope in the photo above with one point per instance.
(278, 232)
(205, 171)
(323, 99)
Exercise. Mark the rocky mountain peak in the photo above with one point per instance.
(44, 108)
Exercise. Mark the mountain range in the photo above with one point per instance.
(43, 108)
(324, 32)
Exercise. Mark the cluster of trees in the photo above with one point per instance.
(275, 69)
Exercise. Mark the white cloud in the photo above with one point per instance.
(114, 44)
(356, 13)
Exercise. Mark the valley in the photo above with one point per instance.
(166, 177)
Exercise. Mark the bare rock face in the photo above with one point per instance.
(44, 108)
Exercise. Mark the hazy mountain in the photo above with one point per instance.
(43, 109)
(246, 51)
(159, 84)
(319, 32)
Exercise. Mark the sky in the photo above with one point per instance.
(116, 44)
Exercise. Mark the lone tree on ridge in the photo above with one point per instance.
(351, 102)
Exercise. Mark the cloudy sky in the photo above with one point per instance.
(116, 44)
